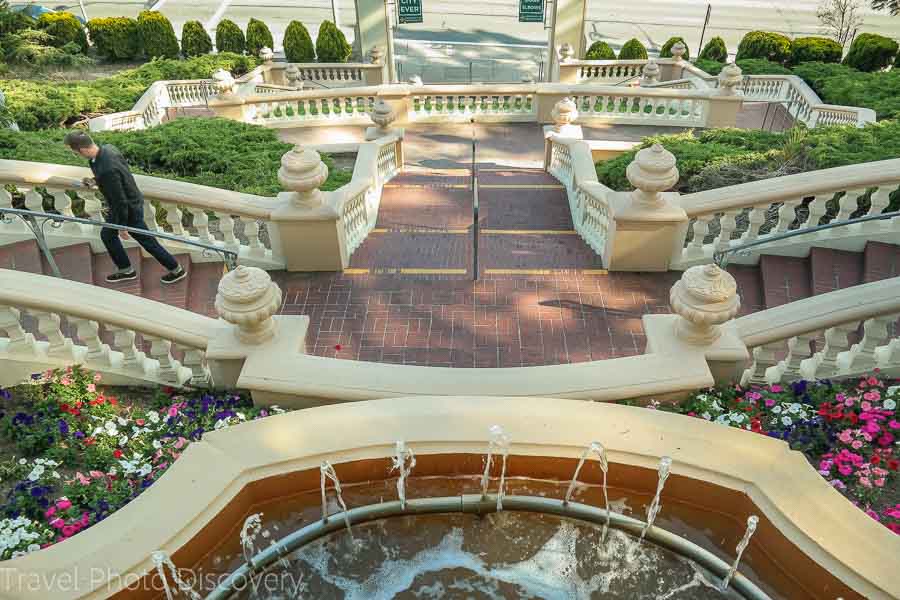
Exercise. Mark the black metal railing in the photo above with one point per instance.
(36, 221)
(721, 257)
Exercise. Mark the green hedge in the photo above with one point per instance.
(600, 51)
(815, 49)
(871, 52)
(258, 37)
(194, 39)
(750, 66)
(331, 45)
(65, 29)
(666, 50)
(633, 50)
(765, 44)
(845, 86)
(42, 104)
(156, 35)
(707, 157)
(715, 50)
(229, 37)
(298, 45)
(216, 152)
(115, 38)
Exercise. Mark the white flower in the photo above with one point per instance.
(153, 416)
(36, 472)
(795, 407)
(706, 416)
(123, 440)
(157, 444)
(22, 461)
(890, 404)
(34, 547)
(894, 389)
(776, 409)
(241, 416)
(122, 421)
(55, 475)
(786, 420)
(737, 417)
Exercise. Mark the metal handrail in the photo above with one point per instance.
(31, 219)
(721, 257)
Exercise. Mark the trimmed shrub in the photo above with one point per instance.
(710, 66)
(156, 35)
(600, 51)
(815, 49)
(194, 39)
(64, 29)
(229, 37)
(716, 50)
(633, 50)
(331, 45)
(258, 37)
(36, 104)
(871, 52)
(764, 44)
(115, 38)
(298, 45)
(666, 50)
(843, 85)
(758, 66)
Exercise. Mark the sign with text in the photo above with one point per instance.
(531, 11)
(410, 11)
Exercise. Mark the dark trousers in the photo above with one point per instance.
(133, 216)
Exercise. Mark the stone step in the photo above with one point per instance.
(75, 263)
(205, 279)
(832, 270)
(880, 261)
(103, 266)
(175, 294)
(22, 256)
(784, 279)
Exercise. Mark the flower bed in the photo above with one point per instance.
(78, 454)
(848, 431)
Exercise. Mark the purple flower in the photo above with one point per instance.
(79, 435)
(63, 427)
(5, 394)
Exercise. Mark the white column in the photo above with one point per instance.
(568, 28)
(375, 29)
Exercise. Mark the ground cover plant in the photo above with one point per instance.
(76, 453)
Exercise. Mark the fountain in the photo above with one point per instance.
(162, 562)
(403, 461)
(665, 463)
(327, 472)
(598, 449)
(752, 521)
(498, 443)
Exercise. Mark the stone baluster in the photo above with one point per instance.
(293, 77)
(251, 231)
(824, 364)
(817, 210)
(799, 349)
(34, 201)
(88, 333)
(169, 368)
(861, 357)
(382, 115)
(133, 360)
(880, 200)
(10, 224)
(700, 228)
(764, 357)
(195, 360)
(174, 217)
(756, 218)
(849, 203)
(63, 204)
(704, 298)
(226, 226)
(247, 298)
(201, 224)
(150, 215)
(59, 345)
(889, 356)
(727, 224)
(787, 213)
(20, 341)
(92, 206)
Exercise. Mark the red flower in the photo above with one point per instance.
(89, 441)
(64, 407)
(117, 453)
(79, 404)
(338, 347)
(113, 401)
(140, 422)
(893, 464)
(875, 460)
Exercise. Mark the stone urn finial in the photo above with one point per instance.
(382, 114)
(416, 80)
(302, 172)
(566, 52)
(266, 55)
(376, 54)
(678, 51)
(704, 298)
(652, 171)
(564, 112)
(247, 297)
(730, 78)
(223, 82)
(650, 75)
(292, 76)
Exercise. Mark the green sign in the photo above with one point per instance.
(531, 11)
(410, 11)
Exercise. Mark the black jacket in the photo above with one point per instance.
(114, 179)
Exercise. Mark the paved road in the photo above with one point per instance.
(463, 36)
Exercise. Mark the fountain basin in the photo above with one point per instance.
(810, 543)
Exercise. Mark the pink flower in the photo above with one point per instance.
(85, 519)
(885, 440)
(864, 481)
(57, 523)
(893, 512)
(871, 427)
(837, 483)
(866, 405)
(848, 402)
(856, 444)
(879, 482)
(96, 474)
(753, 396)
(63, 504)
(845, 470)
(50, 512)
(846, 436)
(872, 396)
(173, 410)
(894, 424)
(180, 443)
(873, 514)
(65, 381)
(91, 387)
(777, 389)
(769, 403)
(82, 479)
(872, 381)
(68, 531)
(97, 377)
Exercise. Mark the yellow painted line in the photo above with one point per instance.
(356, 271)
(522, 186)
(405, 271)
(543, 271)
(420, 186)
(412, 271)
(529, 232)
(422, 230)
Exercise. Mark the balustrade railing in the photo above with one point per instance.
(811, 338)
(131, 340)
(725, 217)
(570, 162)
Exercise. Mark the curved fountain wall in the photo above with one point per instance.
(811, 541)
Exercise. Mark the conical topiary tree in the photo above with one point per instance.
(331, 45)
(194, 39)
(666, 50)
(156, 35)
(258, 37)
(229, 37)
(64, 29)
(298, 45)
(600, 51)
(716, 50)
(633, 50)
(115, 38)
